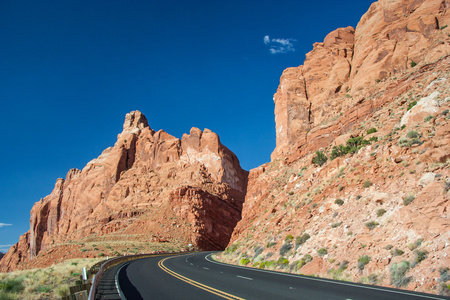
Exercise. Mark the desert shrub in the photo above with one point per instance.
(352, 145)
(412, 134)
(419, 255)
(258, 251)
(388, 247)
(334, 225)
(444, 274)
(371, 279)
(12, 285)
(266, 264)
(445, 112)
(398, 274)
(302, 239)
(397, 252)
(244, 261)
(270, 244)
(408, 199)
(428, 118)
(363, 261)
(322, 251)
(232, 248)
(320, 158)
(367, 183)
(372, 224)
(285, 249)
(288, 238)
(283, 262)
(381, 212)
(339, 201)
(371, 130)
(413, 64)
(62, 290)
(412, 104)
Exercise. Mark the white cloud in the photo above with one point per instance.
(4, 248)
(279, 45)
(3, 224)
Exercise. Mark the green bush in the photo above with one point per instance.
(408, 199)
(244, 261)
(232, 248)
(413, 64)
(412, 104)
(13, 285)
(372, 224)
(419, 255)
(289, 238)
(270, 244)
(339, 202)
(398, 274)
(334, 225)
(320, 158)
(283, 262)
(397, 252)
(363, 261)
(302, 239)
(367, 183)
(381, 212)
(388, 247)
(322, 251)
(285, 249)
(412, 134)
(352, 145)
(428, 118)
(371, 130)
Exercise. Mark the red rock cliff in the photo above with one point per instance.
(379, 207)
(189, 190)
(390, 38)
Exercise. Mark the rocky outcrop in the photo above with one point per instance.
(149, 182)
(318, 101)
(364, 211)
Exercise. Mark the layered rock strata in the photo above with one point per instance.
(188, 190)
(377, 213)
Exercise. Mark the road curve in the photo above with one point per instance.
(198, 276)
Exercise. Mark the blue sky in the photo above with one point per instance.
(71, 70)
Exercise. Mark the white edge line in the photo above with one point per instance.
(119, 290)
(248, 278)
(319, 279)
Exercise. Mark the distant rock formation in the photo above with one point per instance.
(189, 190)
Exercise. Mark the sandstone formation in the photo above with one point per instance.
(187, 191)
(339, 75)
(384, 204)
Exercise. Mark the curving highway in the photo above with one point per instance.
(198, 276)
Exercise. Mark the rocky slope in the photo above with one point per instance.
(372, 205)
(149, 187)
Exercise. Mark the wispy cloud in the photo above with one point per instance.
(279, 45)
(4, 224)
(4, 248)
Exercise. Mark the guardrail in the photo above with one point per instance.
(115, 261)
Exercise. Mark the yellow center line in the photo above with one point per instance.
(197, 284)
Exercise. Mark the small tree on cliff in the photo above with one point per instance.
(320, 158)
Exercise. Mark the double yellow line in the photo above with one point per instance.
(197, 284)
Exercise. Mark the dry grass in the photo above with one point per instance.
(47, 283)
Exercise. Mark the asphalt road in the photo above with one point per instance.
(197, 276)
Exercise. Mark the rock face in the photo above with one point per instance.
(388, 199)
(340, 74)
(189, 190)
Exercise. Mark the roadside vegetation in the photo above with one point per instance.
(46, 283)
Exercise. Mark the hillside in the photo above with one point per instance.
(357, 188)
